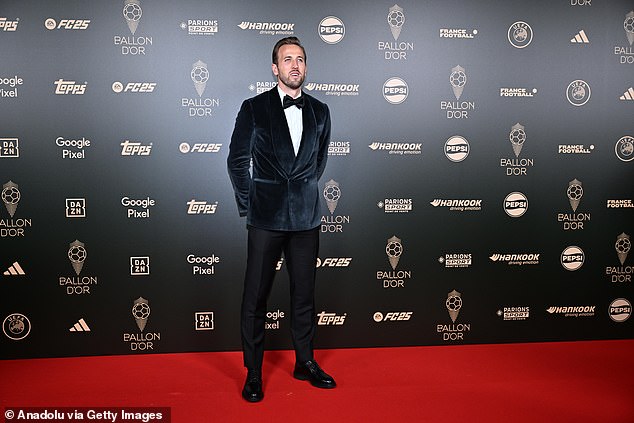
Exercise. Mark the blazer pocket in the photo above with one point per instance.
(267, 181)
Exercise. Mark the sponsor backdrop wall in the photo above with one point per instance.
(478, 190)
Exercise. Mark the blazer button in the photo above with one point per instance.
(305, 179)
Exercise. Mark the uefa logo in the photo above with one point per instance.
(16, 326)
(572, 258)
(395, 90)
(578, 92)
(624, 148)
(457, 148)
(331, 29)
(520, 34)
(515, 204)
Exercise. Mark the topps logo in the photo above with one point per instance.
(393, 316)
(7, 25)
(201, 207)
(135, 149)
(328, 319)
(69, 87)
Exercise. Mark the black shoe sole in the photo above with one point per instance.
(252, 399)
(300, 376)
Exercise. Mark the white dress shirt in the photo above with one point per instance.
(294, 120)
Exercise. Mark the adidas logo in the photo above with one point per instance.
(628, 95)
(581, 38)
(80, 326)
(14, 270)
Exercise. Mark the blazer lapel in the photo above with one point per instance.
(280, 134)
(309, 124)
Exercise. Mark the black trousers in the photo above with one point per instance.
(265, 248)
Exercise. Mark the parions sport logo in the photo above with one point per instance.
(396, 205)
(262, 86)
(514, 313)
(339, 148)
(200, 26)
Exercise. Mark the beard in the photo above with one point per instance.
(293, 84)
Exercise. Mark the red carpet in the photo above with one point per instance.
(542, 382)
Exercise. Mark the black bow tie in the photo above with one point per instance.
(289, 101)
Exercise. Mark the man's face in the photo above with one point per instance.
(291, 66)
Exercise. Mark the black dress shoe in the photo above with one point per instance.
(252, 390)
(311, 372)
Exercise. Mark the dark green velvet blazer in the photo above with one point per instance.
(280, 191)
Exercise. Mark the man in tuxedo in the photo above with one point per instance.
(283, 134)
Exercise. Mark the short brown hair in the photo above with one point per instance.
(285, 41)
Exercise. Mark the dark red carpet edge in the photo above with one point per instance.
(590, 381)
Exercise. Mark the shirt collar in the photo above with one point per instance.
(282, 94)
